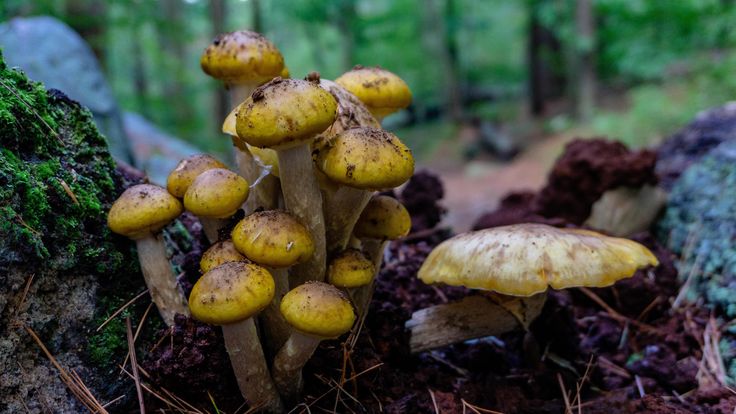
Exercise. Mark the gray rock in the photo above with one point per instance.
(49, 51)
(156, 151)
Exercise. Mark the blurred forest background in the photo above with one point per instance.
(633, 70)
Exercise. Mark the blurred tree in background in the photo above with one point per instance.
(632, 69)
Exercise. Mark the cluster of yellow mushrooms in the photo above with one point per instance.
(299, 267)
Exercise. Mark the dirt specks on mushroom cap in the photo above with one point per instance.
(231, 292)
(526, 259)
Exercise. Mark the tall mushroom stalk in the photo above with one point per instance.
(230, 295)
(286, 115)
(243, 60)
(274, 239)
(260, 167)
(139, 214)
(382, 220)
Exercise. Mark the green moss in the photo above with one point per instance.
(110, 342)
(57, 180)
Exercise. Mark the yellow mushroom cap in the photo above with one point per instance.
(285, 113)
(141, 210)
(273, 238)
(242, 57)
(216, 193)
(285, 73)
(318, 309)
(219, 253)
(524, 259)
(228, 126)
(366, 158)
(265, 156)
(231, 292)
(187, 170)
(383, 218)
(350, 269)
(382, 91)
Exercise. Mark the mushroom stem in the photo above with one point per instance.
(342, 209)
(247, 166)
(160, 279)
(240, 92)
(211, 227)
(374, 250)
(266, 193)
(249, 366)
(303, 198)
(287, 366)
(473, 317)
(277, 330)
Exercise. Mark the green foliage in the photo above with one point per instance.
(56, 180)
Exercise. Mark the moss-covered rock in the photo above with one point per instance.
(699, 225)
(61, 270)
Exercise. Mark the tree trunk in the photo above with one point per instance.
(345, 21)
(536, 71)
(438, 15)
(585, 62)
(221, 105)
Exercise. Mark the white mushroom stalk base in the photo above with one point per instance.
(160, 278)
(342, 210)
(211, 227)
(275, 328)
(249, 366)
(472, 317)
(287, 366)
(303, 199)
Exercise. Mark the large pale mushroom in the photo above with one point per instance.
(519, 263)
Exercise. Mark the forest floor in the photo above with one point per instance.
(630, 348)
(476, 186)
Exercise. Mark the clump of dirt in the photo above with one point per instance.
(421, 197)
(587, 169)
(516, 208)
(190, 360)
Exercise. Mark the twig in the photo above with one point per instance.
(568, 409)
(68, 191)
(73, 382)
(639, 386)
(134, 365)
(138, 331)
(122, 308)
(434, 401)
(307, 406)
(33, 110)
(614, 314)
(476, 409)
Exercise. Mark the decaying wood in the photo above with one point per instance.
(473, 317)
